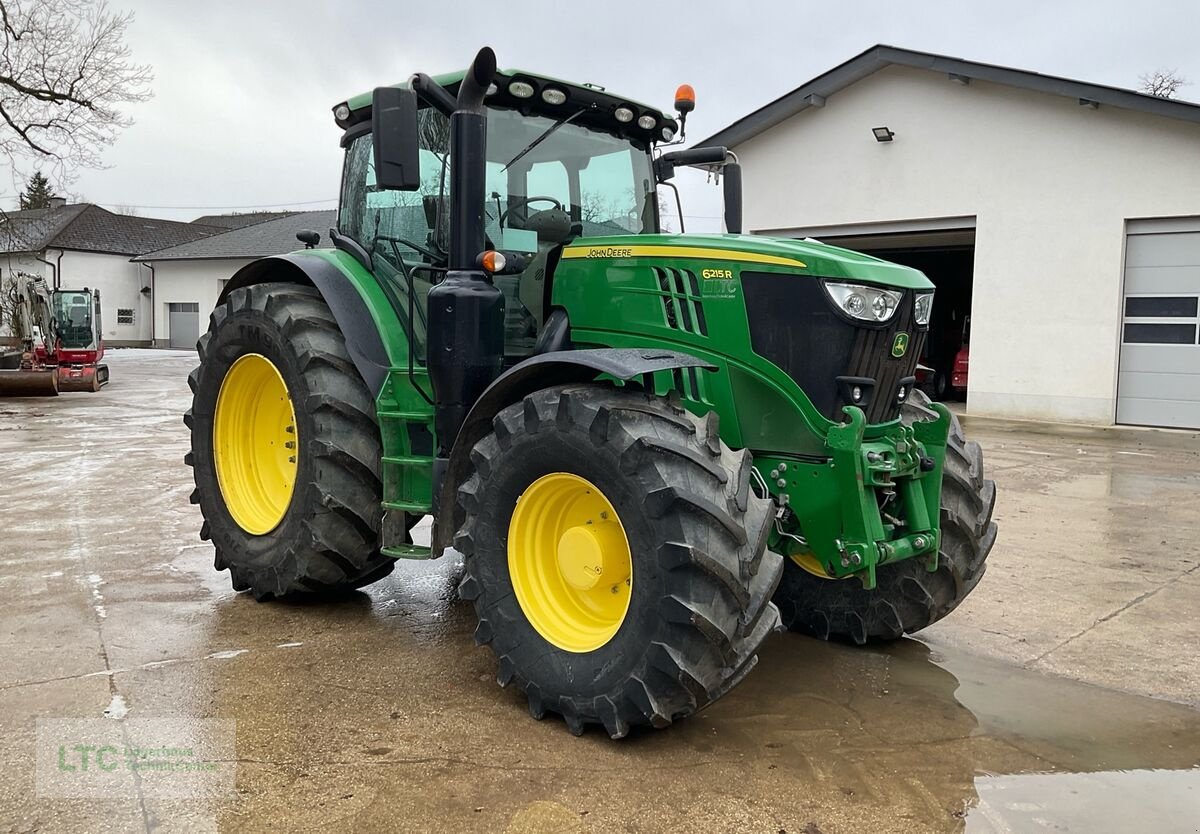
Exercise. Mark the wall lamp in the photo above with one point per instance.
(882, 134)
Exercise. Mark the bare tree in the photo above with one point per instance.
(65, 71)
(1162, 83)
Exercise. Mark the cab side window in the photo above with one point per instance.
(401, 228)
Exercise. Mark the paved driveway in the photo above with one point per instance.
(1025, 708)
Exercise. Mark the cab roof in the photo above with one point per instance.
(598, 105)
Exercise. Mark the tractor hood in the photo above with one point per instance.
(809, 257)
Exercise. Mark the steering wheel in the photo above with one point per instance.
(524, 201)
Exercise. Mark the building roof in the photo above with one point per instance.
(88, 228)
(273, 237)
(814, 93)
(238, 220)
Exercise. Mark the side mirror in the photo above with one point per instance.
(665, 165)
(731, 173)
(394, 132)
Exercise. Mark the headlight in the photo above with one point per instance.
(923, 307)
(865, 303)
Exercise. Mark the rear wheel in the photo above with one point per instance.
(285, 447)
(616, 557)
(907, 597)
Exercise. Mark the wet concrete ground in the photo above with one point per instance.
(1026, 710)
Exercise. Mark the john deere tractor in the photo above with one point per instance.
(649, 448)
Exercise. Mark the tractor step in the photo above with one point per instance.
(406, 551)
(407, 507)
(406, 422)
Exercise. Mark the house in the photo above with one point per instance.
(239, 219)
(1059, 219)
(188, 277)
(84, 245)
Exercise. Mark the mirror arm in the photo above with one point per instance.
(433, 93)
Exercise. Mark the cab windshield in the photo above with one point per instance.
(548, 181)
(73, 314)
(600, 182)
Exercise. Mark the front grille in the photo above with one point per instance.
(793, 325)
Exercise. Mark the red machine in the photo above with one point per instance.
(962, 360)
(958, 376)
(80, 347)
(61, 346)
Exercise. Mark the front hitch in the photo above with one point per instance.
(871, 502)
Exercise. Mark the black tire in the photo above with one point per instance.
(941, 386)
(907, 597)
(328, 539)
(703, 576)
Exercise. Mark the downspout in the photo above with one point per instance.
(53, 268)
(58, 272)
(153, 310)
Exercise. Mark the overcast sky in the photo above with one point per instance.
(241, 116)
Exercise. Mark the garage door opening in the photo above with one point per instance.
(947, 257)
(183, 325)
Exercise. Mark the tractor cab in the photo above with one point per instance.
(562, 162)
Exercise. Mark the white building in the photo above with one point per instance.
(1062, 217)
(83, 245)
(188, 278)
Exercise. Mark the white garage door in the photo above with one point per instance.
(183, 324)
(1159, 383)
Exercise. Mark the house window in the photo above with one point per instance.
(124, 315)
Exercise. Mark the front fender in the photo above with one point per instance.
(542, 371)
(376, 337)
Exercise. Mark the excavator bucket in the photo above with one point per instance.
(29, 383)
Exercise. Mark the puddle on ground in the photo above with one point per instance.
(957, 743)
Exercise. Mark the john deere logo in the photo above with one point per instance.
(900, 345)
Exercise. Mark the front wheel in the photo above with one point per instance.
(616, 557)
(285, 447)
(907, 597)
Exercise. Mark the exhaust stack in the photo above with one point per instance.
(466, 310)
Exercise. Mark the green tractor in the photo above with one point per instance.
(651, 449)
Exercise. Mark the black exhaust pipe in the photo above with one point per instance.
(466, 311)
(475, 83)
(468, 163)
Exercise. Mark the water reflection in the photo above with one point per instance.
(1161, 801)
(952, 742)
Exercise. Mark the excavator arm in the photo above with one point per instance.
(32, 370)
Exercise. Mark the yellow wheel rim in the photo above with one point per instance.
(810, 564)
(254, 444)
(569, 562)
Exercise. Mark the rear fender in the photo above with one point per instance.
(376, 338)
(534, 374)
